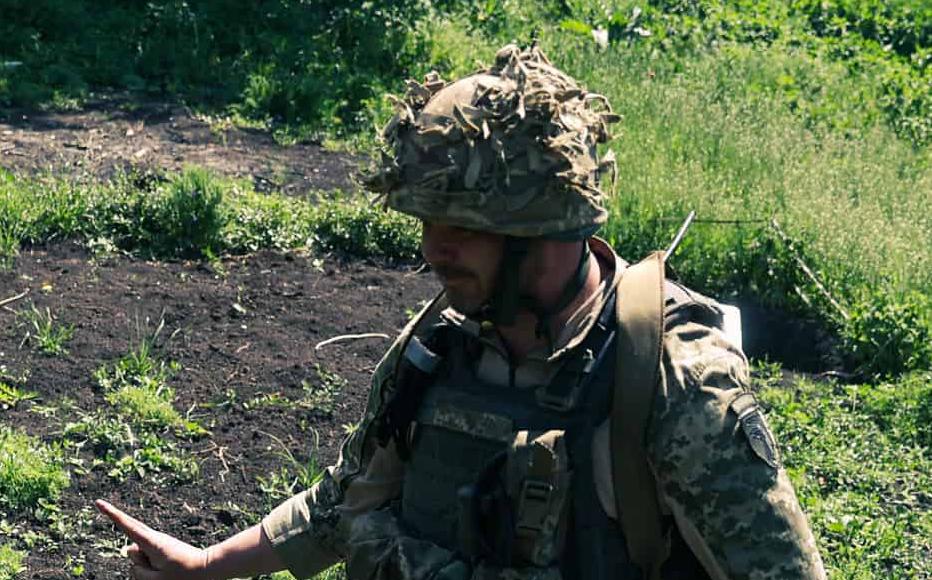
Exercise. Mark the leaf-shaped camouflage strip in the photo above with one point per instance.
(510, 149)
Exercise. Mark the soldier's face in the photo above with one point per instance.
(465, 261)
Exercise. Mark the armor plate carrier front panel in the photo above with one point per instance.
(464, 427)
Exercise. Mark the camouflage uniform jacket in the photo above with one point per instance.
(737, 511)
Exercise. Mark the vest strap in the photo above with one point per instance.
(639, 307)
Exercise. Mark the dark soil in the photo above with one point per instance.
(290, 306)
(114, 133)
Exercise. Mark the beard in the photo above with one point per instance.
(464, 289)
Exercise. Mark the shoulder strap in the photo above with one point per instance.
(639, 306)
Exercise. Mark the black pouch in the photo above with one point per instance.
(514, 514)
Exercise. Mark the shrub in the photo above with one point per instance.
(888, 333)
(301, 62)
(188, 219)
(360, 229)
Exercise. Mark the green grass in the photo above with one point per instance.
(861, 461)
(43, 332)
(11, 562)
(122, 448)
(145, 405)
(130, 436)
(136, 385)
(856, 209)
(161, 220)
(292, 476)
(746, 113)
(31, 472)
(337, 572)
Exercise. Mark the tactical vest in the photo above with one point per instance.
(462, 491)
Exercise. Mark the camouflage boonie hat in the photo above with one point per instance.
(508, 150)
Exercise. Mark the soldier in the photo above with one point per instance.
(493, 444)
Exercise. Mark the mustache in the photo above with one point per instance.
(450, 271)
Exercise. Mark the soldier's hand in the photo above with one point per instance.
(157, 556)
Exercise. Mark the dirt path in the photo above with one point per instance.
(114, 132)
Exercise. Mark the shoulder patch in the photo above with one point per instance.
(755, 428)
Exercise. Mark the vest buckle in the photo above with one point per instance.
(533, 507)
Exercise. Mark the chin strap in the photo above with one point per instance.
(572, 288)
(507, 300)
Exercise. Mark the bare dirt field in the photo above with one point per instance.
(113, 133)
(245, 340)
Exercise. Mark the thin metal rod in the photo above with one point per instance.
(679, 235)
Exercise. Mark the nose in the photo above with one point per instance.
(438, 242)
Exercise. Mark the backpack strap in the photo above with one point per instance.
(639, 307)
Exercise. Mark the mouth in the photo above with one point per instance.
(453, 280)
(452, 276)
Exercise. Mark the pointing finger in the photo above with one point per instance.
(136, 530)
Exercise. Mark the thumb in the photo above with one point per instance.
(136, 530)
(138, 557)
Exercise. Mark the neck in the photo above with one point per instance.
(521, 337)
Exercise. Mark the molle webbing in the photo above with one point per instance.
(463, 424)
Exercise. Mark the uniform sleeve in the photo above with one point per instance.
(717, 474)
(309, 531)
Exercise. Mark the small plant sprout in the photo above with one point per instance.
(11, 396)
(292, 475)
(43, 332)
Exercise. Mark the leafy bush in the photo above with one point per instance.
(889, 333)
(187, 221)
(302, 62)
(360, 229)
(194, 214)
(30, 471)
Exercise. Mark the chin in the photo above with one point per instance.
(463, 304)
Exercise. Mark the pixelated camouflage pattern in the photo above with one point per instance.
(508, 150)
(739, 515)
(544, 458)
(736, 510)
(380, 549)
